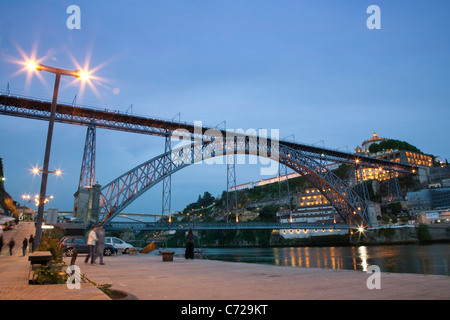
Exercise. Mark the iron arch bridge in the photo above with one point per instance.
(308, 160)
(122, 191)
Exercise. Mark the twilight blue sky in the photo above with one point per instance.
(308, 68)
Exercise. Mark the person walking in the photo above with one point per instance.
(190, 245)
(24, 246)
(12, 243)
(92, 237)
(31, 242)
(100, 244)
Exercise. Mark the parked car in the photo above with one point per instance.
(7, 222)
(121, 245)
(80, 244)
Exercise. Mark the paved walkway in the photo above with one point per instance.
(147, 277)
(14, 271)
(18, 233)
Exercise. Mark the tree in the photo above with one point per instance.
(385, 219)
(6, 201)
(392, 144)
(207, 199)
(394, 218)
(268, 213)
(423, 233)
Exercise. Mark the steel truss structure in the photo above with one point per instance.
(394, 190)
(284, 192)
(360, 185)
(232, 195)
(164, 226)
(122, 191)
(87, 175)
(105, 119)
(167, 181)
(308, 160)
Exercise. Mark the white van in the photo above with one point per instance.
(121, 245)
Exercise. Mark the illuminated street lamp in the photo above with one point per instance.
(36, 171)
(26, 198)
(83, 75)
(47, 199)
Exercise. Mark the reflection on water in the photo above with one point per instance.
(362, 252)
(431, 259)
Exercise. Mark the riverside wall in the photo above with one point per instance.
(382, 236)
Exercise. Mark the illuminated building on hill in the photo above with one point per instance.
(375, 139)
(400, 156)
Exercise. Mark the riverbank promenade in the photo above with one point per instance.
(15, 271)
(148, 277)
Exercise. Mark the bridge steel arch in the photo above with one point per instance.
(122, 191)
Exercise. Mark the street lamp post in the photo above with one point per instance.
(58, 72)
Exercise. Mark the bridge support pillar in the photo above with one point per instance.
(284, 193)
(87, 175)
(232, 196)
(394, 190)
(87, 204)
(360, 184)
(167, 182)
(373, 210)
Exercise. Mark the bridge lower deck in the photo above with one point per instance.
(117, 226)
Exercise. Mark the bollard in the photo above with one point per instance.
(167, 255)
(133, 251)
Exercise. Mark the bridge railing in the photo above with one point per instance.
(166, 226)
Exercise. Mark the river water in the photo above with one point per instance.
(421, 259)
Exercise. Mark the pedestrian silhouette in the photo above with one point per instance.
(190, 245)
(24, 246)
(31, 242)
(11, 246)
(100, 243)
(92, 238)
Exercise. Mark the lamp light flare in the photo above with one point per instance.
(32, 65)
(26, 197)
(83, 75)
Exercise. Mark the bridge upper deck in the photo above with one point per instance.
(114, 120)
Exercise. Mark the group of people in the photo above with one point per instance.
(96, 245)
(26, 243)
